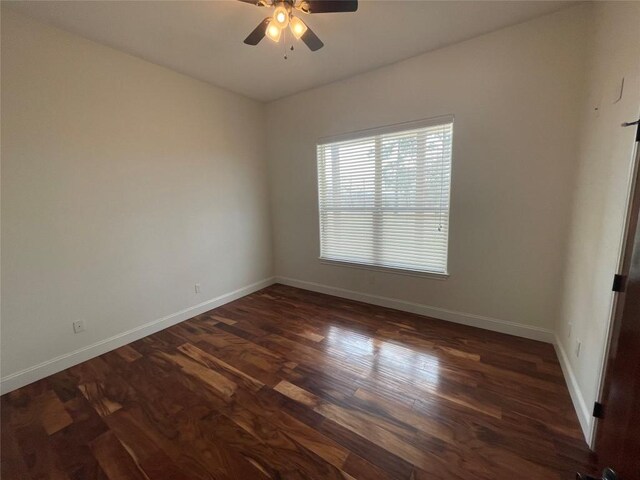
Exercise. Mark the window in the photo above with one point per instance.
(384, 196)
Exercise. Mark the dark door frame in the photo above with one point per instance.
(624, 260)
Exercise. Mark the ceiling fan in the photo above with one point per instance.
(283, 17)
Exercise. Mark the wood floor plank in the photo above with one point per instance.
(12, 464)
(267, 446)
(224, 320)
(397, 438)
(265, 405)
(214, 363)
(395, 466)
(71, 444)
(95, 393)
(143, 449)
(158, 446)
(128, 353)
(38, 454)
(298, 428)
(53, 415)
(290, 384)
(218, 456)
(115, 460)
(208, 377)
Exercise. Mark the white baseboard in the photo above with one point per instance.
(502, 326)
(59, 363)
(579, 404)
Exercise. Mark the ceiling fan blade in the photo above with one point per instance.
(257, 3)
(332, 6)
(258, 33)
(311, 40)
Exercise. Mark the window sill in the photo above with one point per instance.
(397, 271)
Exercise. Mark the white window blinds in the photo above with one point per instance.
(384, 196)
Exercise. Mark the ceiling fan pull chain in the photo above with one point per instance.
(284, 44)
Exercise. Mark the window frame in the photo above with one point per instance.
(381, 130)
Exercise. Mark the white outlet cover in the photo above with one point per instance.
(78, 326)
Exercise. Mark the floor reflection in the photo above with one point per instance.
(383, 358)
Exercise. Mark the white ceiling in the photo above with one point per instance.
(204, 39)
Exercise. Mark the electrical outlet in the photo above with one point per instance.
(578, 347)
(197, 288)
(78, 326)
(570, 329)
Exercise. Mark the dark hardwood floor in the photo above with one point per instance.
(290, 384)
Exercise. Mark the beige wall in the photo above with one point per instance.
(515, 94)
(600, 196)
(123, 185)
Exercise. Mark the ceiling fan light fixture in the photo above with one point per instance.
(273, 31)
(298, 27)
(281, 16)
